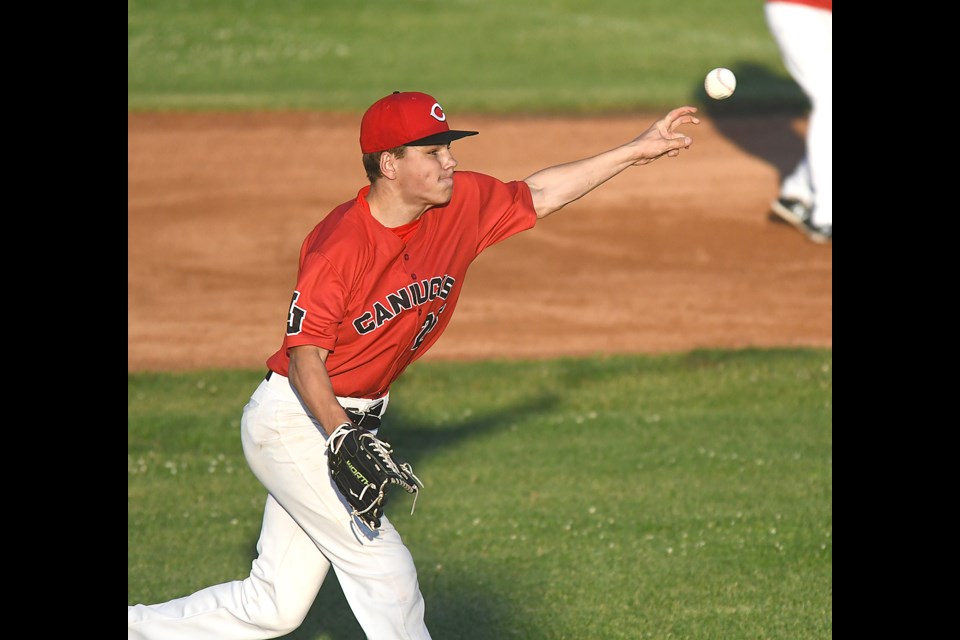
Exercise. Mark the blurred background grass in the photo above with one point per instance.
(492, 56)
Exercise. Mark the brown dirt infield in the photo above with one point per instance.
(673, 256)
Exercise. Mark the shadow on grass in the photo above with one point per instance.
(464, 610)
(759, 118)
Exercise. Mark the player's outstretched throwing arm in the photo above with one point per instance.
(557, 186)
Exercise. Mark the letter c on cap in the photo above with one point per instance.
(437, 112)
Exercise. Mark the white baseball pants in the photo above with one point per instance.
(306, 530)
(805, 37)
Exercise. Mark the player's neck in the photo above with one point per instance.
(390, 210)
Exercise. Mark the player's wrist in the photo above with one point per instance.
(340, 430)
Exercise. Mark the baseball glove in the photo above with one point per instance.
(363, 468)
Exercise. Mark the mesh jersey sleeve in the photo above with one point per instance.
(320, 299)
(323, 289)
(506, 208)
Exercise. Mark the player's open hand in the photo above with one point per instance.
(663, 138)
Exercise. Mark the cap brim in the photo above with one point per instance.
(444, 137)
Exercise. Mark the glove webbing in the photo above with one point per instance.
(383, 450)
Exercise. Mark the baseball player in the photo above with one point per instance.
(378, 281)
(803, 30)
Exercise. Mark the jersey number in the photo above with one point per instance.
(295, 317)
(426, 328)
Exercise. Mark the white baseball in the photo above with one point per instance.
(720, 83)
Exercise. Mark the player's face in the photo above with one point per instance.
(426, 173)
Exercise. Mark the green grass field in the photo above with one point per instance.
(496, 56)
(677, 496)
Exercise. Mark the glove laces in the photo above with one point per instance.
(384, 451)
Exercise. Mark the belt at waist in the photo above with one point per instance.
(363, 412)
(370, 420)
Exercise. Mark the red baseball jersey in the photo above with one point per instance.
(377, 303)
(826, 5)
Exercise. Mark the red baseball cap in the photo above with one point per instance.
(406, 118)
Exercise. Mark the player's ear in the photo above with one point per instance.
(388, 165)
